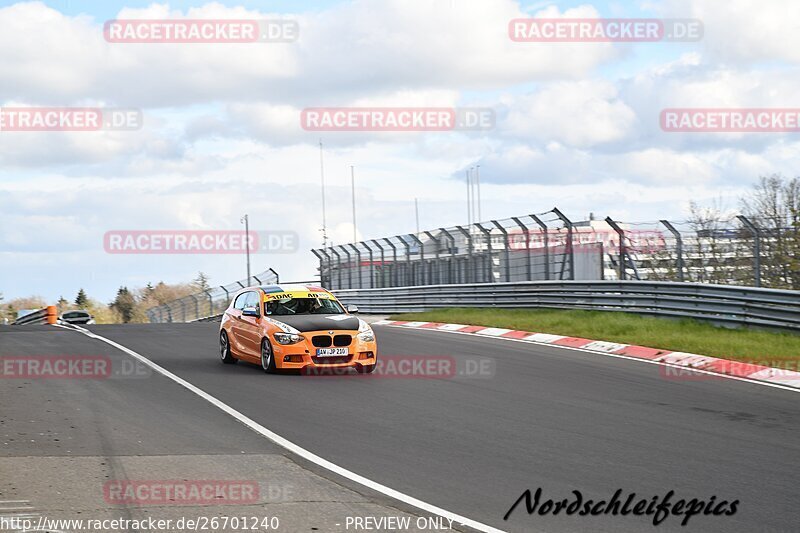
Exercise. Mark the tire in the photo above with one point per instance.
(267, 357)
(225, 349)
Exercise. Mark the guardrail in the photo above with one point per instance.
(48, 315)
(721, 304)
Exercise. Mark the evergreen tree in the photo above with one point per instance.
(81, 300)
(124, 304)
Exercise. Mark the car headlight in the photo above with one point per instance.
(365, 332)
(367, 336)
(287, 338)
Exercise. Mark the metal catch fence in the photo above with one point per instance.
(550, 247)
(206, 304)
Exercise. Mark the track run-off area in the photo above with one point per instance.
(468, 438)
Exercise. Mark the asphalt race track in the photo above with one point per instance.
(546, 417)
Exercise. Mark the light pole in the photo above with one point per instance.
(322, 181)
(478, 186)
(353, 189)
(246, 221)
(416, 214)
(469, 201)
(472, 189)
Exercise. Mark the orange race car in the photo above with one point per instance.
(295, 327)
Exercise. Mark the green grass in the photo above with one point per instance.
(756, 346)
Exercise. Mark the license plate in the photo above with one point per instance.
(331, 352)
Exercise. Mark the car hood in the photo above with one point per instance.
(318, 322)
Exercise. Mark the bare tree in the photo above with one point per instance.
(711, 256)
(774, 206)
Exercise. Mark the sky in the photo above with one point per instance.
(577, 126)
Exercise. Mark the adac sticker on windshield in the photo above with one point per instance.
(280, 296)
(321, 295)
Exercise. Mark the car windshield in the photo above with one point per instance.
(76, 314)
(303, 306)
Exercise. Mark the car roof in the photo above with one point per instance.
(286, 288)
(291, 287)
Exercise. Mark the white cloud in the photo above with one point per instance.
(580, 114)
(744, 31)
(351, 50)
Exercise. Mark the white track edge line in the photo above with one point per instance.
(615, 355)
(292, 447)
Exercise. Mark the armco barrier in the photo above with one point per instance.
(48, 315)
(721, 304)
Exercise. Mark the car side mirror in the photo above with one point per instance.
(352, 309)
(250, 311)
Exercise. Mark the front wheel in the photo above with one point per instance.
(225, 349)
(267, 357)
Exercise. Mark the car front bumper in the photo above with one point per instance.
(303, 355)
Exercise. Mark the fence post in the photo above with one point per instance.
(756, 231)
(277, 277)
(196, 305)
(395, 276)
(349, 267)
(678, 246)
(421, 258)
(436, 253)
(568, 224)
(383, 263)
(527, 234)
(621, 235)
(487, 233)
(467, 236)
(358, 264)
(508, 246)
(407, 281)
(338, 268)
(227, 295)
(210, 302)
(451, 249)
(546, 242)
(371, 266)
(321, 268)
